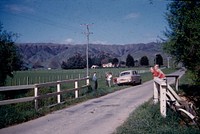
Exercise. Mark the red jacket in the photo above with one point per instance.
(158, 74)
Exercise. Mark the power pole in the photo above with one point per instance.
(87, 33)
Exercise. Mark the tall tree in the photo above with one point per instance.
(159, 59)
(184, 34)
(10, 58)
(115, 62)
(130, 61)
(144, 61)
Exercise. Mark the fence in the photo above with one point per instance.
(37, 96)
(43, 76)
(165, 93)
(162, 90)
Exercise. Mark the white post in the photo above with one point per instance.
(160, 86)
(163, 107)
(176, 83)
(58, 90)
(155, 93)
(35, 95)
(76, 91)
(87, 81)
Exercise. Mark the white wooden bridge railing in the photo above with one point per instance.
(164, 93)
(159, 93)
(36, 96)
(162, 89)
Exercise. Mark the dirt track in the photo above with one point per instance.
(97, 116)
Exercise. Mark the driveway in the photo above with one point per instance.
(96, 116)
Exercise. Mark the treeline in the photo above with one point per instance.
(78, 61)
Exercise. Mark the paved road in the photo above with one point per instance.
(97, 116)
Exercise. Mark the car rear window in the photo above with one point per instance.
(134, 72)
(125, 73)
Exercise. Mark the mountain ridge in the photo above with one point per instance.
(51, 55)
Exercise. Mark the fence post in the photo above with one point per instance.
(76, 91)
(87, 81)
(58, 90)
(27, 81)
(35, 95)
(160, 88)
(176, 83)
(155, 92)
(163, 107)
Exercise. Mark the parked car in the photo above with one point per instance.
(128, 77)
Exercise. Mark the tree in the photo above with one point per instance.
(115, 62)
(130, 61)
(184, 34)
(95, 61)
(10, 58)
(144, 61)
(122, 63)
(159, 59)
(74, 62)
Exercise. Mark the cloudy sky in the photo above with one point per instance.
(60, 21)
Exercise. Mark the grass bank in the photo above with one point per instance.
(147, 120)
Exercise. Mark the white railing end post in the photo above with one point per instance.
(76, 91)
(58, 90)
(36, 95)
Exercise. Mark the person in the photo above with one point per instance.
(94, 79)
(156, 72)
(108, 79)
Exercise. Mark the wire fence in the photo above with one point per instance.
(43, 76)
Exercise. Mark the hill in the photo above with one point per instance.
(51, 55)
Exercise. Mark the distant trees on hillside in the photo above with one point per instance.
(78, 61)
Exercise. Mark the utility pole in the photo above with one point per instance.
(87, 33)
(168, 58)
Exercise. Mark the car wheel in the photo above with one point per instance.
(134, 83)
(140, 81)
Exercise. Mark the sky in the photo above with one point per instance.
(65, 21)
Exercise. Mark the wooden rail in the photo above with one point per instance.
(36, 87)
(176, 79)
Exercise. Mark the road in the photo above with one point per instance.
(96, 116)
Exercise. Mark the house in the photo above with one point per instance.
(94, 66)
(108, 65)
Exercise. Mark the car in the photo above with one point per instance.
(128, 77)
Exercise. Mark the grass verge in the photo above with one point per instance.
(147, 120)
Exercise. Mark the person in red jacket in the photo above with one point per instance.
(156, 72)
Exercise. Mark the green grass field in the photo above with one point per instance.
(42, 76)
